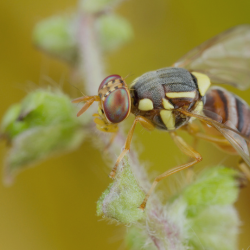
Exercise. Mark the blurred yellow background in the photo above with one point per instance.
(52, 206)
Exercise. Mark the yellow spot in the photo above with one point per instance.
(181, 94)
(99, 121)
(168, 119)
(110, 83)
(199, 107)
(145, 104)
(99, 111)
(166, 104)
(134, 82)
(112, 89)
(198, 110)
(203, 82)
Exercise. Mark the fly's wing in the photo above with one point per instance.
(235, 138)
(236, 141)
(224, 58)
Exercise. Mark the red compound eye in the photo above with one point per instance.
(108, 79)
(117, 105)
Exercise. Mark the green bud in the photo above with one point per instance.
(13, 128)
(94, 6)
(203, 212)
(114, 31)
(56, 35)
(122, 199)
(214, 186)
(101, 200)
(43, 124)
(136, 238)
(216, 227)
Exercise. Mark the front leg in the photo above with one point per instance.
(147, 124)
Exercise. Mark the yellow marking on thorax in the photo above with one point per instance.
(166, 104)
(145, 104)
(168, 119)
(181, 94)
(203, 82)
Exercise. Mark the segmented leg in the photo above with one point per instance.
(222, 141)
(147, 124)
(102, 125)
(88, 102)
(194, 131)
(190, 171)
(186, 149)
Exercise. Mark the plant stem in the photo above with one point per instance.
(91, 67)
(92, 71)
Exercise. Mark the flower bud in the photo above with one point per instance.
(114, 31)
(137, 238)
(215, 227)
(94, 6)
(214, 186)
(43, 124)
(123, 197)
(56, 36)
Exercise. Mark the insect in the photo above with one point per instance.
(172, 98)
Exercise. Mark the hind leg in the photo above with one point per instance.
(186, 149)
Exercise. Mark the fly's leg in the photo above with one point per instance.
(103, 126)
(194, 131)
(147, 124)
(186, 149)
(190, 171)
(222, 141)
(88, 102)
(106, 127)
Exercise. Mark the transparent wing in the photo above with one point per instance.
(229, 131)
(225, 58)
(236, 141)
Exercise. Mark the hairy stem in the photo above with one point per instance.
(91, 66)
(92, 69)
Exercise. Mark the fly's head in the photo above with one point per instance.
(114, 103)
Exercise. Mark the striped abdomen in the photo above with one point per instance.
(230, 107)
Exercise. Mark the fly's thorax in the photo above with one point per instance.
(115, 99)
(158, 94)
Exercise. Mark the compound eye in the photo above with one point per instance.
(117, 105)
(108, 79)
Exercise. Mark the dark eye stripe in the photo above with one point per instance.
(108, 79)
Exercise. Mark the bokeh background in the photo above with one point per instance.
(52, 206)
